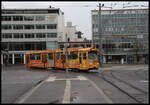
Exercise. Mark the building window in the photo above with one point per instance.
(6, 35)
(18, 27)
(40, 18)
(28, 26)
(51, 26)
(40, 26)
(35, 11)
(40, 35)
(29, 18)
(29, 46)
(40, 45)
(51, 35)
(16, 46)
(29, 35)
(12, 12)
(18, 35)
(6, 18)
(17, 18)
(6, 27)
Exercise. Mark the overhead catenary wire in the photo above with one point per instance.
(21, 5)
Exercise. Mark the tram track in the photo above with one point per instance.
(137, 73)
(103, 76)
(127, 83)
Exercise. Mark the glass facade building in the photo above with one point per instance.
(124, 34)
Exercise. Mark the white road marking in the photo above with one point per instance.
(50, 79)
(25, 96)
(78, 78)
(67, 79)
(82, 78)
(143, 80)
(101, 92)
(66, 98)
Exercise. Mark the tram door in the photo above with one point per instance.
(51, 59)
(44, 60)
(27, 60)
(82, 60)
(63, 60)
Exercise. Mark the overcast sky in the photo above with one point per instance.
(79, 13)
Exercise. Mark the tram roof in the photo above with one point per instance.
(39, 51)
(82, 49)
(59, 50)
(87, 49)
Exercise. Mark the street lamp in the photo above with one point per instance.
(100, 33)
(66, 53)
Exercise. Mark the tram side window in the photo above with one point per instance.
(35, 57)
(50, 56)
(58, 55)
(32, 57)
(73, 55)
(69, 56)
(84, 55)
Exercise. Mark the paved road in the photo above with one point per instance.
(20, 85)
(16, 80)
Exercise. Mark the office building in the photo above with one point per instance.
(124, 35)
(29, 29)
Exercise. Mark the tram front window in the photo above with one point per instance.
(92, 55)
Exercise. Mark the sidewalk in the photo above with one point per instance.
(123, 67)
